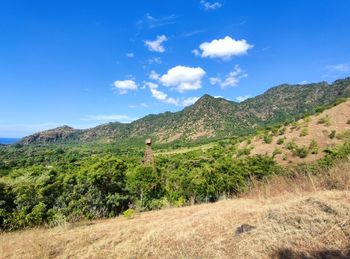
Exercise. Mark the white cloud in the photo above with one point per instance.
(163, 97)
(159, 95)
(154, 75)
(183, 78)
(125, 85)
(210, 5)
(189, 101)
(304, 82)
(242, 98)
(156, 45)
(153, 22)
(337, 70)
(223, 48)
(130, 55)
(196, 52)
(155, 60)
(231, 79)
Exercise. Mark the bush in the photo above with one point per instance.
(243, 152)
(276, 151)
(282, 131)
(267, 139)
(348, 122)
(280, 141)
(313, 147)
(129, 213)
(301, 152)
(307, 119)
(332, 134)
(304, 132)
(291, 145)
(324, 120)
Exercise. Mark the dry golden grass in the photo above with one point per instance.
(294, 216)
(338, 117)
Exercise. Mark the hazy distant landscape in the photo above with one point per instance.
(175, 129)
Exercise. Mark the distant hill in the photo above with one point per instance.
(209, 117)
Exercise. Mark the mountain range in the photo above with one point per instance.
(209, 117)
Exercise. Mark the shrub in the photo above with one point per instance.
(324, 120)
(129, 213)
(282, 131)
(301, 152)
(304, 132)
(332, 134)
(307, 119)
(313, 147)
(276, 151)
(267, 139)
(280, 141)
(348, 122)
(291, 145)
(243, 152)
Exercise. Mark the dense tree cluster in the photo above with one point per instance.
(50, 185)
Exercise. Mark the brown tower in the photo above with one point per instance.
(148, 159)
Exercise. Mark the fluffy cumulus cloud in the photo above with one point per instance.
(225, 48)
(125, 85)
(210, 5)
(159, 95)
(183, 78)
(157, 44)
(242, 98)
(163, 97)
(231, 79)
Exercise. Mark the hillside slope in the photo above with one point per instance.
(290, 226)
(209, 117)
(305, 140)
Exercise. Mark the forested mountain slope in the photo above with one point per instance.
(209, 117)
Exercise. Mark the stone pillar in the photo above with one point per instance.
(148, 158)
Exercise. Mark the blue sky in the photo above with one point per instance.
(83, 63)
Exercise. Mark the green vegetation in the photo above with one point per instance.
(313, 147)
(325, 120)
(51, 186)
(304, 132)
(301, 152)
(276, 151)
(291, 145)
(332, 134)
(215, 118)
(267, 138)
(280, 141)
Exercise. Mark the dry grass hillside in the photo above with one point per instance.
(301, 216)
(318, 128)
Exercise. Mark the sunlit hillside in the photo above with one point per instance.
(289, 217)
(305, 140)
